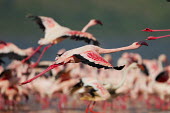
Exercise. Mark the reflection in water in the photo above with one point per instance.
(34, 107)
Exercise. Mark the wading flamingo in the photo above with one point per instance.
(92, 90)
(89, 54)
(153, 37)
(55, 33)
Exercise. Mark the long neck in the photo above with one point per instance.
(103, 51)
(160, 65)
(124, 74)
(86, 27)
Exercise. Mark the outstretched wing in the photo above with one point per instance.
(78, 35)
(93, 59)
(43, 22)
(6, 51)
(38, 20)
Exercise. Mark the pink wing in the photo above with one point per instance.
(78, 35)
(92, 58)
(43, 22)
(7, 51)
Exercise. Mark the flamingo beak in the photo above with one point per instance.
(148, 30)
(151, 38)
(99, 22)
(2, 42)
(142, 43)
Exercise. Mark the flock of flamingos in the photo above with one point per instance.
(82, 73)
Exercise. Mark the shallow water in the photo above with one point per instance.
(33, 107)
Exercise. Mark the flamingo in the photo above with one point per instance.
(92, 90)
(55, 33)
(11, 51)
(89, 54)
(154, 38)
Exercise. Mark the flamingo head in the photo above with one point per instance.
(148, 30)
(163, 58)
(29, 51)
(151, 38)
(140, 43)
(2, 42)
(94, 22)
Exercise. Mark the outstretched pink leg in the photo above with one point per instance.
(91, 109)
(44, 50)
(87, 109)
(36, 50)
(49, 68)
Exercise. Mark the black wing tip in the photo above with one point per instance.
(162, 77)
(37, 19)
(31, 16)
(119, 67)
(96, 43)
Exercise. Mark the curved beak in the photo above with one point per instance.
(143, 43)
(98, 22)
(2, 42)
(148, 30)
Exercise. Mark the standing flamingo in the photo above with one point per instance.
(55, 33)
(92, 90)
(90, 55)
(152, 30)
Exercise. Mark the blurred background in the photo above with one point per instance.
(123, 21)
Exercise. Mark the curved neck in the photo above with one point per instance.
(86, 27)
(124, 74)
(160, 65)
(103, 51)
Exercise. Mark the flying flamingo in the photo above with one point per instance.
(55, 33)
(152, 30)
(89, 54)
(92, 90)
(11, 51)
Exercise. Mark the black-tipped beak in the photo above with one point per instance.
(147, 30)
(143, 43)
(99, 22)
(2, 42)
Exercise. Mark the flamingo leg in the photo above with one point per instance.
(87, 109)
(36, 50)
(48, 69)
(91, 109)
(44, 50)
